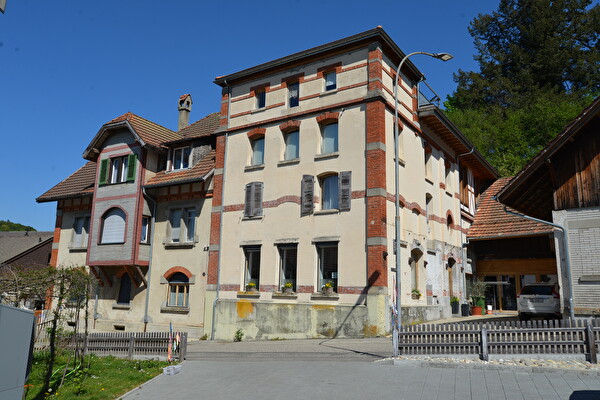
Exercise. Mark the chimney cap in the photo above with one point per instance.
(185, 102)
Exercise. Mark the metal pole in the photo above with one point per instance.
(397, 326)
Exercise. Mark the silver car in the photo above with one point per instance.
(538, 300)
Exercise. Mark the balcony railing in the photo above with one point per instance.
(427, 95)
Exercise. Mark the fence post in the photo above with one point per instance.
(183, 347)
(484, 344)
(591, 342)
(130, 349)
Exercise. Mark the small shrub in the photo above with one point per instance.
(239, 334)
(204, 337)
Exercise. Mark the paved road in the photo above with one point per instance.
(344, 369)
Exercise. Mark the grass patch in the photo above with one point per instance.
(99, 378)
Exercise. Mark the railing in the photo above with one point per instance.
(513, 337)
(427, 95)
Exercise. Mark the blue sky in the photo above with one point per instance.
(69, 66)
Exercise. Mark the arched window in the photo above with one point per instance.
(329, 143)
(179, 286)
(124, 290)
(415, 266)
(113, 226)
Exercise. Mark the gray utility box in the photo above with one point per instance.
(16, 333)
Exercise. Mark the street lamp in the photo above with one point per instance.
(439, 56)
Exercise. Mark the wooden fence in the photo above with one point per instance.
(125, 344)
(511, 337)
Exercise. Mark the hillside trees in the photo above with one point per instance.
(539, 67)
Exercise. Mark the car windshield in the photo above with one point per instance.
(535, 289)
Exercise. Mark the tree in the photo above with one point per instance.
(539, 67)
(7, 226)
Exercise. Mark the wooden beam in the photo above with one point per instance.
(139, 270)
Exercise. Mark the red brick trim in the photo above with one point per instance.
(256, 133)
(306, 289)
(224, 107)
(331, 67)
(174, 270)
(229, 287)
(351, 289)
(328, 118)
(340, 89)
(289, 126)
(257, 88)
(267, 288)
(358, 194)
(350, 68)
(442, 185)
(291, 79)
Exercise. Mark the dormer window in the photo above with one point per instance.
(181, 158)
(117, 169)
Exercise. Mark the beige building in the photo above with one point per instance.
(276, 215)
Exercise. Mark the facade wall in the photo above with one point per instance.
(583, 227)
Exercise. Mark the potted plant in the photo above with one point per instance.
(454, 302)
(288, 288)
(478, 297)
(416, 294)
(251, 287)
(327, 289)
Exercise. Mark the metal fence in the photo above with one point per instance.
(511, 337)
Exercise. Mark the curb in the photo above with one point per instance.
(143, 384)
(490, 367)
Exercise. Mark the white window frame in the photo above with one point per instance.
(336, 145)
(286, 138)
(80, 240)
(332, 86)
(118, 169)
(183, 164)
(182, 230)
(180, 288)
(329, 199)
(321, 280)
(249, 267)
(104, 238)
(145, 233)
(254, 160)
(283, 250)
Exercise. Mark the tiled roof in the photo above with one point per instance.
(79, 183)
(196, 173)
(492, 222)
(204, 127)
(150, 132)
(14, 243)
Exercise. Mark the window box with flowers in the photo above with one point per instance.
(415, 294)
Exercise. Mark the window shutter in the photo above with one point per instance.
(248, 211)
(257, 194)
(131, 164)
(345, 193)
(103, 179)
(307, 202)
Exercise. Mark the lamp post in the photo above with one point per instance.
(443, 57)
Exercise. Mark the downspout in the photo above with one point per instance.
(147, 196)
(566, 253)
(214, 310)
(462, 244)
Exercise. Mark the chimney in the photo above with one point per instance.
(184, 107)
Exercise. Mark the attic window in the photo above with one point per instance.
(181, 158)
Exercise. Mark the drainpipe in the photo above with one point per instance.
(147, 196)
(462, 247)
(214, 309)
(566, 253)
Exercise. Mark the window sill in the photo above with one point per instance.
(253, 218)
(178, 170)
(174, 310)
(328, 92)
(110, 244)
(250, 168)
(321, 296)
(258, 110)
(293, 161)
(77, 249)
(118, 306)
(327, 212)
(327, 156)
(281, 295)
(401, 162)
(248, 295)
(181, 245)
(428, 180)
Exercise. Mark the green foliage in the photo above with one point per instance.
(539, 67)
(238, 336)
(7, 226)
(454, 300)
(204, 337)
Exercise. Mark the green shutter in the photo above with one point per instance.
(131, 163)
(103, 180)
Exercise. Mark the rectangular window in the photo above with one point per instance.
(261, 99)
(330, 81)
(287, 263)
(327, 253)
(428, 163)
(258, 151)
(294, 94)
(448, 176)
(183, 225)
(145, 235)
(330, 192)
(118, 169)
(330, 138)
(252, 272)
(81, 227)
(292, 145)
(181, 158)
